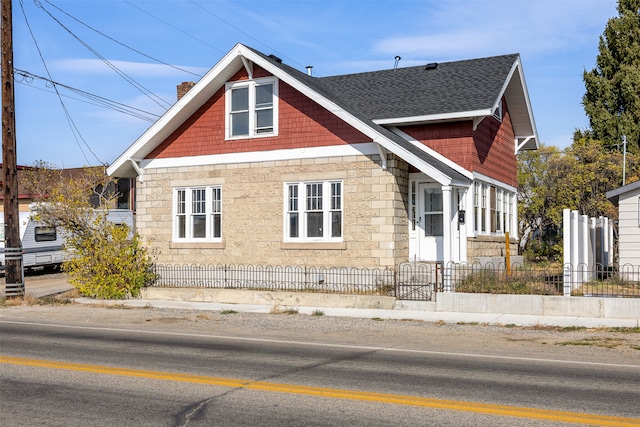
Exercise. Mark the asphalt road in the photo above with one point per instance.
(77, 372)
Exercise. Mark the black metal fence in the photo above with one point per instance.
(409, 281)
(581, 280)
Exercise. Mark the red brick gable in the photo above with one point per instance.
(302, 123)
(489, 150)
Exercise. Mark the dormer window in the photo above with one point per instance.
(252, 109)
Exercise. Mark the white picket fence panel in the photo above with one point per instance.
(588, 247)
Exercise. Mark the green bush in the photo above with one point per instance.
(108, 263)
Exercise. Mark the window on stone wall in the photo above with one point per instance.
(197, 214)
(313, 211)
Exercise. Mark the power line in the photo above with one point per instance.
(131, 81)
(28, 77)
(243, 32)
(174, 27)
(122, 44)
(72, 125)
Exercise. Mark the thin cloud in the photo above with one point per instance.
(455, 29)
(98, 67)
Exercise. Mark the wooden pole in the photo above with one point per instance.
(13, 246)
(507, 253)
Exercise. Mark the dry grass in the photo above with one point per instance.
(605, 342)
(276, 309)
(29, 299)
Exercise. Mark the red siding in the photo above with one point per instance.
(489, 150)
(302, 123)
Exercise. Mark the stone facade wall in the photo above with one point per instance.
(375, 224)
(489, 246)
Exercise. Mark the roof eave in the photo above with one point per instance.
(202, 91)
(433, 118)
(614, 195)
(516, 94)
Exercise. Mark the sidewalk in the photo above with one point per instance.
(44, 287)
(426, 316)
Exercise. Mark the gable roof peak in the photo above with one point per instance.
(361, 99)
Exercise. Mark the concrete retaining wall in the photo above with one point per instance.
(538, 305)
(274, 298)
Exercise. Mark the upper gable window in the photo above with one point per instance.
(252, 108)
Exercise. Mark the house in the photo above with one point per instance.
(260, 163)
(627, 200)
(123, 187)
(24, 198)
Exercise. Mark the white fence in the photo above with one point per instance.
(588, 247)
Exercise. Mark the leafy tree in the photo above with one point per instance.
(578, 178)
(612, 100)
(590, 172)
(539, 180)
(104, 261)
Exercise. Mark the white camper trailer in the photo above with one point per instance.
(42, 245)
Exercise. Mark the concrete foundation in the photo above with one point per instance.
(537, 305)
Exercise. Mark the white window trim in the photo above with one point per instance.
(302, 217)
(209, 214)
(506, 209)
(251, 84)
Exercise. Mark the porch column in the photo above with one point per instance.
(448, 236)
(462, 228)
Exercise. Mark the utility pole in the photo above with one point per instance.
(624, 159)
(13, 247)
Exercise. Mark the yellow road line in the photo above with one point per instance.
(453, 405)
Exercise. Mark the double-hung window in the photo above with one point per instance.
(493, 209)
(252, 108)
(197, 214)
(313, 211)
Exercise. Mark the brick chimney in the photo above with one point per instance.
(183, 88)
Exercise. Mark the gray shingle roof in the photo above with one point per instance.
(416, 91)
(413, 91)
(452, 87)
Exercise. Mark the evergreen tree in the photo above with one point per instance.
(612, 98)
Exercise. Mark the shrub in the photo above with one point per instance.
(108, 263)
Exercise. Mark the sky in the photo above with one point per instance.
(116, 63)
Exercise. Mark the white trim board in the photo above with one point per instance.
(366, 149)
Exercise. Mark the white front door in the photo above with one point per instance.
(430, 224)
